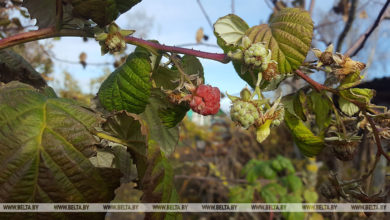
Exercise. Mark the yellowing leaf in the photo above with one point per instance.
(288, 35)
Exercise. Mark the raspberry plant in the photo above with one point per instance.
(48, 144)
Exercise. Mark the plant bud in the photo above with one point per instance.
(245, 94)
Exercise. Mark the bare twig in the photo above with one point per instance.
(205, 14)
(376, 136)
(359, 44)
(311, 6)
(233, 7)
(348, 25)
(208, 178)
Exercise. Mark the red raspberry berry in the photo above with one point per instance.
(205, 100)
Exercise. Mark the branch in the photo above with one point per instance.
(205, 14)
(348, 25)
(318, 86)
(223, 58)
(359, 44)
(51, 32)
(311, 6)
(376, 136)
(41, 34)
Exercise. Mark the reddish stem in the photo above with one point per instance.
(51, 32)
(38, 35)
(223, 58)
(318, 86)
(376, 136)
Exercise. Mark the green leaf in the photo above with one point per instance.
(288, 35)
(165, 77)
(255, 169)
(128, 87)
(347, 107)
(286, 164)
(229, 30)
(238, 194)
(102, 12)
(167, 138)
(300, 105)
(351, 80)
(171, 116)
(293, 183)
(309, 144)
(45, 146)
(269, 196)
(361, 95)
(158, 182)
(310, 196)
(271, 192)
(129, 128)
(15, 67)
(322, 109)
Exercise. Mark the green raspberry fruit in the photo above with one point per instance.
(244, 113)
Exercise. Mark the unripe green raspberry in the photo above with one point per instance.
(244, 113)
(257, 55)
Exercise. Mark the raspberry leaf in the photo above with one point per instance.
(131, 130)
(171, 116)
(45, 13)
(15, 67)
(229, 30)
(322, 109)
(288, 35)
(309, 144)
(167, 77)
(128, 87)
(45, 146)
(102, 12)
(158, 183)
(347, 107)
(166, 138)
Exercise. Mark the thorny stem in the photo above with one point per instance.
(41, 34)
(52, 32)
(319, 87)
(223, 58)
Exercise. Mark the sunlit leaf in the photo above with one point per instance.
(347, 107)
(229, 30)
